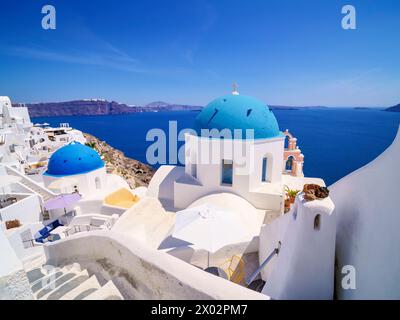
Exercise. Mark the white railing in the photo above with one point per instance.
(264, 264)
(80, 228)
(31, 243)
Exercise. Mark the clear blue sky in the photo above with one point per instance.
(286, 52)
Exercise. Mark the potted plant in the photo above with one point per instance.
(291, 193)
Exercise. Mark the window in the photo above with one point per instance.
(227, 171)
(317, 222)
(286, 142)
(289, 164)
(264, 174)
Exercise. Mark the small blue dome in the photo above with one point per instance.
(73, 158)
(239, 112)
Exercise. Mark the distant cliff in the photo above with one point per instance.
(395, 108)
(90, 107)
(94, 107)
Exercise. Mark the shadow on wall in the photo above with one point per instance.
(165, 190)
(170, 243)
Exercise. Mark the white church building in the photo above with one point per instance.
(237, 148)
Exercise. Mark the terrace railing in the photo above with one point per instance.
(264, 264)
(30, 243)
(80, 228)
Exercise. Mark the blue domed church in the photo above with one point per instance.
(239, 113)
(236, 148)
(72, 159)
(80, 164)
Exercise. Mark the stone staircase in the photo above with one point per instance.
(45, 195)
(70, 282)
(31, 185)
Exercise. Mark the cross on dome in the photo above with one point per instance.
(235, 89)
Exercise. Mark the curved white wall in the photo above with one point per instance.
(304, 267)
(368, 211)
(142, 273)
(85, 182)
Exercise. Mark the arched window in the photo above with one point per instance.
(97, 182)
(289, 164)
(286, 142)
(317, 222)
(264, 173)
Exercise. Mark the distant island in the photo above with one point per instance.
(91, 107)
(395, 108)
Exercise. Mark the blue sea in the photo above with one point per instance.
(334, 141)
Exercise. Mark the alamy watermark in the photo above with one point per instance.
(51, 274)
(349, 21)
(208, 146)
(49, 20)
(349, 277)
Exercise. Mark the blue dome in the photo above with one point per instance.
(73, 158)
(239, 112)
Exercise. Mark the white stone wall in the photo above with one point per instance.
(4, 102)
(247, 159)
(27, 210)
(248, 152)
(304, 267)
(140, 272)
(15, 240)
(368, 237)
(17, 115)
(85, 182)
(14, 284)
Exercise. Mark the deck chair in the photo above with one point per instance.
(234, 268)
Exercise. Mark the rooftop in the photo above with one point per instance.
(239, 112)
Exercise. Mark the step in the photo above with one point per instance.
(40, 274)
(43, 286)
(46, 280)
(48, 288)
(35, 274)
(83, 290)
(66, 286)
(107, 292)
